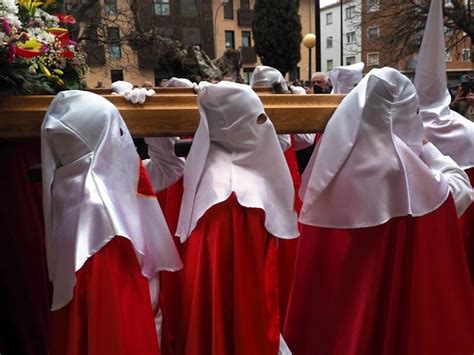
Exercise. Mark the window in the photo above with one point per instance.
(188, 8)
(350, 60)
(229, 39)
(351, 37)
(162, 7)
(449, 55)
(113, 39)
(229, 10)
(466, 55)
(350, 12)
(246, 41)
(116, 75)
(90, 33)
(244, 4)
(448, 31)
(110, 7)
(372, 59)
(329, 42)
(329, 18)
(248, 74)
(329, 64)
(373, 5)
(373, 33)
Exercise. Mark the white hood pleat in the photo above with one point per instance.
(231, 152)
(366, 169)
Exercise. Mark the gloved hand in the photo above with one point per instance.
(125, 89)
(138, 95)
(121, 87)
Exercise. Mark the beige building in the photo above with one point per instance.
(231, 24)
(232, 28)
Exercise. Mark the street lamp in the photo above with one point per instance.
(221, 4)
(309, 41)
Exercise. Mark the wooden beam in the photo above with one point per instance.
(172, 113)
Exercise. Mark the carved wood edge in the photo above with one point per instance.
(171, 114)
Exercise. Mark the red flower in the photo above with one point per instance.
(63, 18)
(61, 34)
(67, 54)
(26, 53)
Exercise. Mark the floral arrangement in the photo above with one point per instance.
(37, 54)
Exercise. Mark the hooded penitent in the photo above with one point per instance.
(379, 119)
(450, 132)
(91, 192)
(232, 152)
(345, 78)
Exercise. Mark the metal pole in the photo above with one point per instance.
(317, 20)
(342, 33)
(309, 64)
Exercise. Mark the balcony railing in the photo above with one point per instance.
(248, 55)
(95, 54)
(245, 17)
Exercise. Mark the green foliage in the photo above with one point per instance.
(276, 31)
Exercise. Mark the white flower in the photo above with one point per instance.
(9, 6)
(41, 35)
(8, 11)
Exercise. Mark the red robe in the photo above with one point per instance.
(287, 247)
(111, 311)
(229, 286)
(170, 202)
(466, 224)
(398, 288)
(24, 288)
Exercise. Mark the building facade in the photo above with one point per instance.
(341, 45)
(375, 24)
(213, 25)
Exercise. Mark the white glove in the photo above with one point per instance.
(121, 87)
(138, 95)
(298, 90)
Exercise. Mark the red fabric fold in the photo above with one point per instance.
(111, 311)
(24, 287)
(287, 247)
(466, 225)
(398, 288)
(170, 202)
(229, 285)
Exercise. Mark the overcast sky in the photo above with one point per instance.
(323, 3)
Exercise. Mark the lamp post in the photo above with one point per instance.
(221, 4)
(317, 20)
(309, 41)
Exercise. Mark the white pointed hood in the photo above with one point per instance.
(92, 191)
(267, 76)
(366, 169)
(178, 83)
(231, 152)
(344, 78)
(450, 132)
